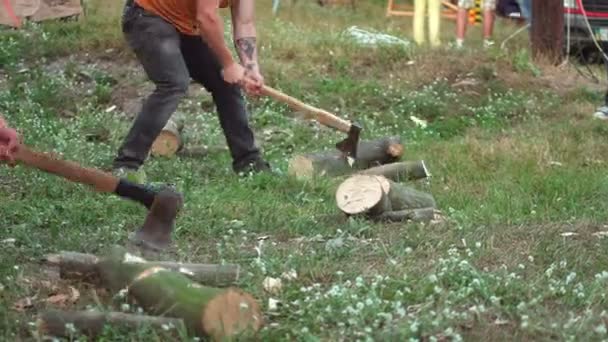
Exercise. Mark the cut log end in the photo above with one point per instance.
(358, 194)
(166, 144)
(230, 314)
(395, 150)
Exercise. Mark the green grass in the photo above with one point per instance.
(516, 163)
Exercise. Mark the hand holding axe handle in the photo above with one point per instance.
(348, 145)
(163, 205)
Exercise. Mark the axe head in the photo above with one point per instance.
(155, 233)
(349, 145)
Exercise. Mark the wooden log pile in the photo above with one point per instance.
(373, 185)
(198, 298)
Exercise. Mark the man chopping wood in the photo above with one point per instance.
(9, 141)
(179, 40)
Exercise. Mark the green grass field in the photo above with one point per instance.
(518, 171)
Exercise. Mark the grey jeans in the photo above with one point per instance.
(170, 59)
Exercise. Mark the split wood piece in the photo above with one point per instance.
(206, 311)
(85, 267)
(92, 323)
(379, 198)
(401, 171)
(333, 163)
(169, 140)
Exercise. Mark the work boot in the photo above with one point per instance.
(255, 166)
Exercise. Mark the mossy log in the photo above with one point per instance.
(400, 171)
(85, 267)
(169, 141)
(333, 163)
(206, 311)
(59, 323)
(378, 198)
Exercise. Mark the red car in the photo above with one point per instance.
(585, 18)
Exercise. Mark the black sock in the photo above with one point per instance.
(135, 192)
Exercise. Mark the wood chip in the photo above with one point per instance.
(24, 303)
(62, 299)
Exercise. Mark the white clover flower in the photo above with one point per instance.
(602, 276)
(601, 329)
(414, 326)
(570, 277)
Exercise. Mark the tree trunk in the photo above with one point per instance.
(547, 32)
(169, 141)
(398, 172)
(333, 163)
(379, 198)
(92, 323)
(206, 311)
(84, 267)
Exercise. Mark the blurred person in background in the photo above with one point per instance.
(422, 8)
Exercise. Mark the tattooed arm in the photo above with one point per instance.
(245, 39)
(211, 29)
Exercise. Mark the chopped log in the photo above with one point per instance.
(169, 140)
(92, 323)
(378, 198)
(402, 171)
(206, 311)
(417, 215)
(84, 267)
(334, 163)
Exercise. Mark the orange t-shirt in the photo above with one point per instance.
(180, 13)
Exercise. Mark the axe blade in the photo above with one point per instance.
(349, 145)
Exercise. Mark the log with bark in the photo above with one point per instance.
(333, 163)
(206, 311)
(401, 171)
(169, 141)
(85, 267)
(91, 323)
(379, 198)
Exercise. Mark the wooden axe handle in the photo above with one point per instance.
(99, 180)
(324, 117)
